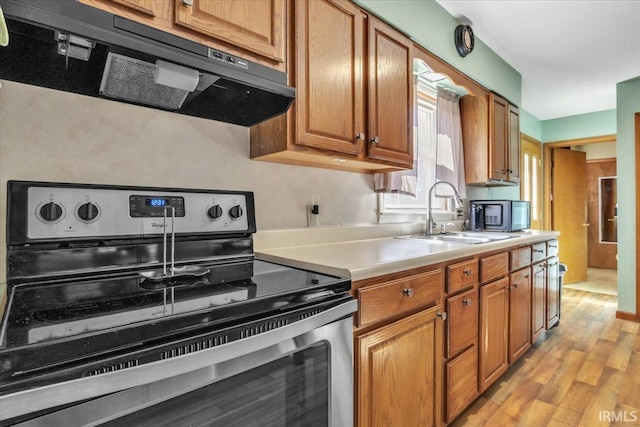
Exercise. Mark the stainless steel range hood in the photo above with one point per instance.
(69, 46)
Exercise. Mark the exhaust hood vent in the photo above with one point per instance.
(69, 46)
(132, 80)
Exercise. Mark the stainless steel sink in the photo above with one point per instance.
(464, 238)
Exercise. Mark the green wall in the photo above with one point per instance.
(530, 125)
(628, 103)
(579, 126)
(430, 25)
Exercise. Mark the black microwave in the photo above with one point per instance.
(499, 215)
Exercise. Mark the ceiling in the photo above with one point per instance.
(570, 53)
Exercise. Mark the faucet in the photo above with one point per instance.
(456, 197)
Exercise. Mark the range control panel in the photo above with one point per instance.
(94, 212)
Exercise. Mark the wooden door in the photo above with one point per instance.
(600, 255)
(553, 292)
(498, 136)
(390, 89)
(538, 300)
(531, 178)
(494, 312)
(399, 372)
(330, 75)
(258, 26)
(513, 145)
(569, 211)
(519, 314)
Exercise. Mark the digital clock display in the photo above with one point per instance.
(157, 203)
(146, 206)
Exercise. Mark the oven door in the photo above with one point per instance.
(297, 375)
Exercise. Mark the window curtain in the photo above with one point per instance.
(449, 153)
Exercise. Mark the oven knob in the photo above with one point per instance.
(215, 212)
(51, 211)
(235, 212)
(88, 211)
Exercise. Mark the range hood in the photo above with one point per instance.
(69, 46)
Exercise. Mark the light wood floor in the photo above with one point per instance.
(573, 375)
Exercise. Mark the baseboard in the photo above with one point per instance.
(624, 315)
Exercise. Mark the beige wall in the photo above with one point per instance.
(55, 136)
(601, 150)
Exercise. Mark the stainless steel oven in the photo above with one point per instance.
(131, 323)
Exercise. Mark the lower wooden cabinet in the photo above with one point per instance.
(519, 313)
(553, 292)
(538, 297)
(494, 318)
(461, 382)
(399, 372)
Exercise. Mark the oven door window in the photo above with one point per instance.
(290, 391)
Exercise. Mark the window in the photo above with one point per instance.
(425, 149)
(530, 185)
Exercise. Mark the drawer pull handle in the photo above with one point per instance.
(443, 316)
(553, 265)
(375, 140)
(360, 136)
(466, 301)
(553, 246)
(466, 272)
(408, 292)
(540, 251)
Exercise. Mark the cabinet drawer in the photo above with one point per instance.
(462, 383)
(462, 322)
(378, 302)
(520, 258)
(552, 248)
(494, 266)
(462, 275)
(539, 251)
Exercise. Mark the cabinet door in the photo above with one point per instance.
(390, 87)
(329, 75)
(553, 292)
(258, 26)
(494, 311)
(519, 314)
(147, 7)
(462, 322)
(538, 304)
(462, 382)
(399, 372)
(514, 144)
(498, 134)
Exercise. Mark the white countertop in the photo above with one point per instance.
(366, 258)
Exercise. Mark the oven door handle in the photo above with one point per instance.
(41, 398)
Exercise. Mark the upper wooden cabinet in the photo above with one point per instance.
(353, 108)
(491, 140)
(255, 30)
(258, 26)
(390, 87)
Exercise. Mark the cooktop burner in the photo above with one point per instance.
(45, 312)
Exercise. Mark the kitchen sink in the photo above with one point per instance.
(464, 238)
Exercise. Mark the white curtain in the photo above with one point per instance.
(449, 153)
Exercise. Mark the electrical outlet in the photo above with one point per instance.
(313, 211)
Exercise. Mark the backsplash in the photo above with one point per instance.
(49, 135)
